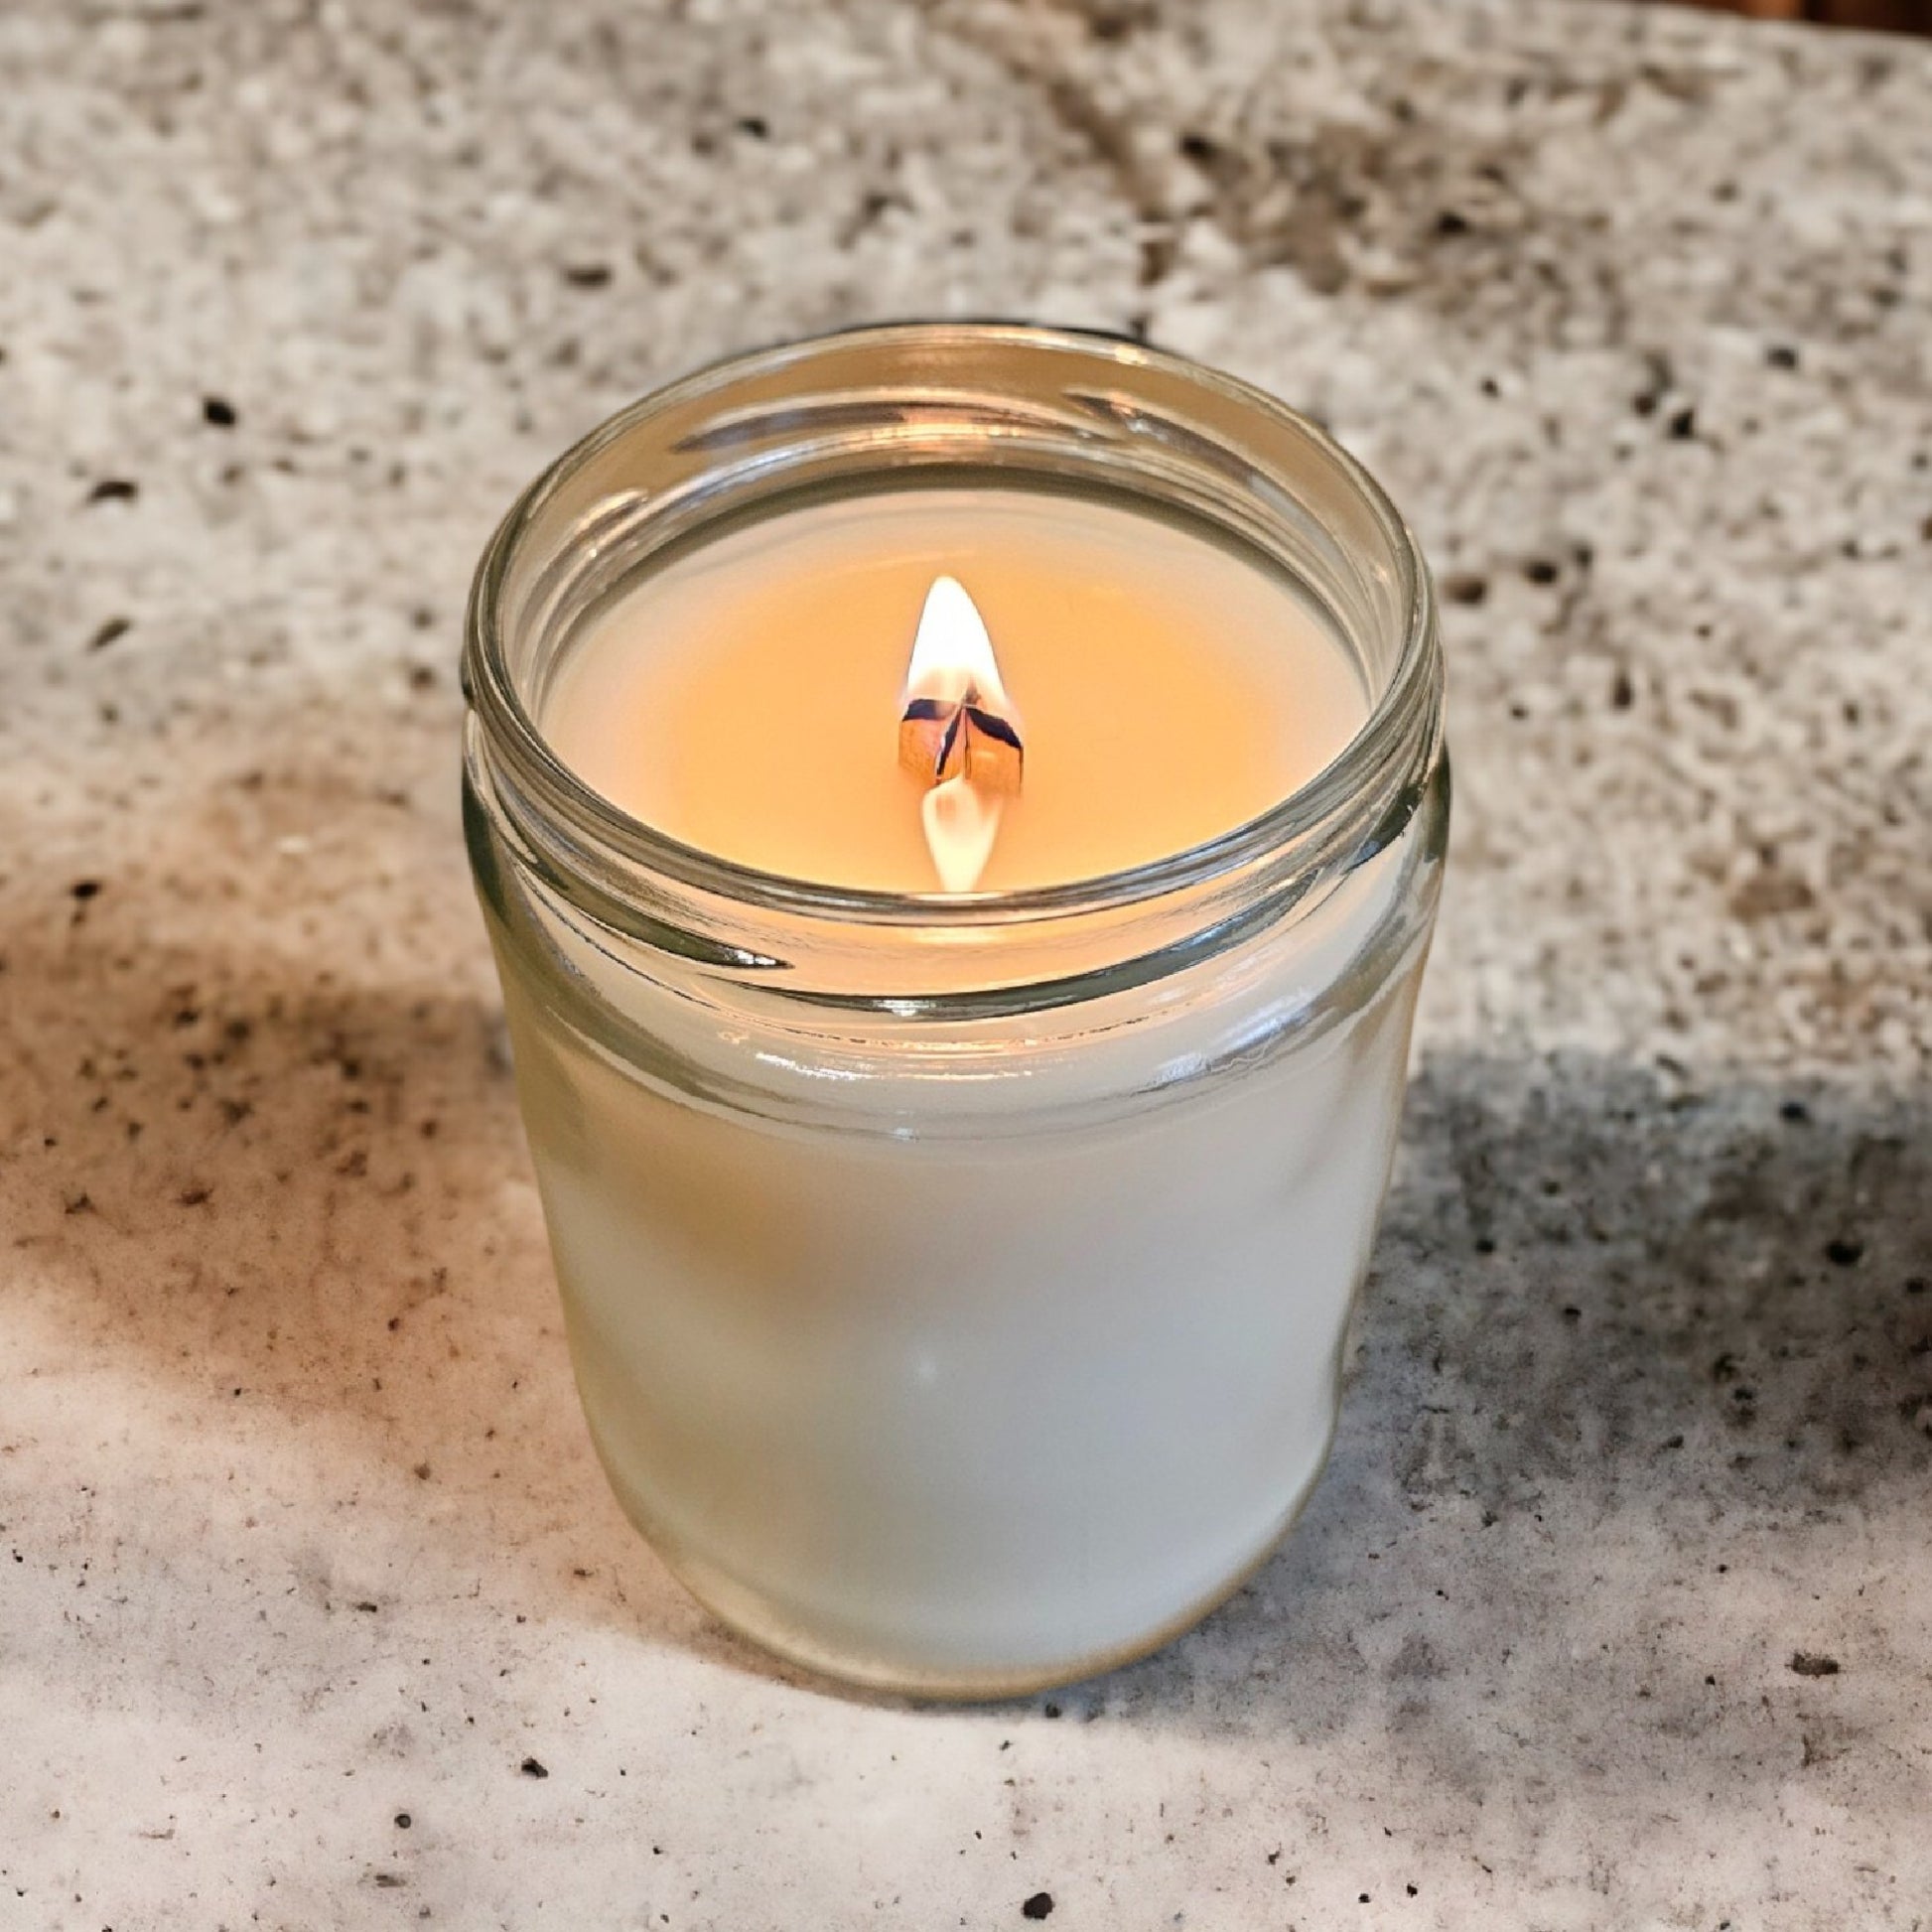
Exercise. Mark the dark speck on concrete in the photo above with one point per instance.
(1781, 356)
(1466, 587)
(113, 629)
(533, 1768)
(1810, 1663)
(1794, 1111)
(1844, 1253)
(219, 412)
(114, 489)
(1684, 425)
(587, 275)
(1540, 570)
(403, 1821)
(85, 889)
(1039, 1905)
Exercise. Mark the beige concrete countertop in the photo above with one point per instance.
(1613, 1610)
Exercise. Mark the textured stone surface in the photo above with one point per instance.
(1613, 1609)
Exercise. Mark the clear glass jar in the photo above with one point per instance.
(957, 1286)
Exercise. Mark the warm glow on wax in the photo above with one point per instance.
(742, 700)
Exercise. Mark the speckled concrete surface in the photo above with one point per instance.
(1613, 1609)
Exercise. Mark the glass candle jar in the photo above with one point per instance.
(956, 1285)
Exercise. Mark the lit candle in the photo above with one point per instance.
(959, 813)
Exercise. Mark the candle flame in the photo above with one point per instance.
(958, 735)
(952, 655)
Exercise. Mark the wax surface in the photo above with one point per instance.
(746, 699)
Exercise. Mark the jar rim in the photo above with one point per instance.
(1402, 726)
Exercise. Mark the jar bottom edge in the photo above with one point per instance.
(738, 1608)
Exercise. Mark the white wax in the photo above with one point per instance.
(1017, 1388)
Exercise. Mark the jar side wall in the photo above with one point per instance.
(1098, 1374)
(952, 1319)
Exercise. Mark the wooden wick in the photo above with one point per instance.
(945, 737)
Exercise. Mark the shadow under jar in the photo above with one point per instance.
(957, 1284)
